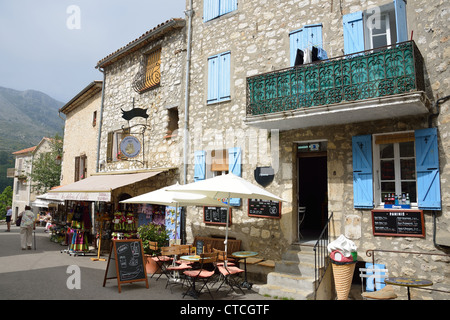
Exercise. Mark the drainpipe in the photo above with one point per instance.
(189, 13)
(430, 124)
(100, 122)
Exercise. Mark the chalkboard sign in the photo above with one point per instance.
(216, 215)
(128, 265)
(264, 208)
(199, 247)
(400, 223)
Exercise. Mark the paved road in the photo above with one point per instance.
(43, 274)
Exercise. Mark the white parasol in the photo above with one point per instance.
(164, 197)
(226, 186)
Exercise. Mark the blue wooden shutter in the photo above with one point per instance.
(295, 42)
(224, 76)
(199, 165)
(219, 77)
(227, 6)
(213, 79)
(375, 284)
(427, 167)
(210, 9)
(400, 20)
(234, 166)
(362, 172)
(312, 35)
(353, 32)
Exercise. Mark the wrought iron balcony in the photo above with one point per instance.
(389, 71)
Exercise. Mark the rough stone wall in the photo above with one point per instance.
(80, 138)
(257, 34)
(159, 152)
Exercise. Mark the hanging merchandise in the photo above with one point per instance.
(124, 226)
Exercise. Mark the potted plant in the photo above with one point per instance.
(156, 233)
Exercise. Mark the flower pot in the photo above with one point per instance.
(151, 266)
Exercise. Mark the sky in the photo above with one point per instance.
(53, 46)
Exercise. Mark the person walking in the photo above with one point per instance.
(8, 219)
(27, 225)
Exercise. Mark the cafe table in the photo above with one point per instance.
(408, 282)
(244, 255)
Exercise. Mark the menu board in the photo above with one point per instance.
(264, 208)
(216, 215)
(400, 223)
(127, 257)
(199, 247)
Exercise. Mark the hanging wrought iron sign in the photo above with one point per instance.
(130, 146)
(133, 113)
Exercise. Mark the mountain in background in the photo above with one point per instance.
(25, 118)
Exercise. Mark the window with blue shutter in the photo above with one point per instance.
(307, 37)
(427, 167)
(219, 77)
(234, 164)
(362, 172)
(370, 29)
(216, 8)
(199, 165)
(353, 32)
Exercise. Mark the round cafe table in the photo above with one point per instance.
(244, 255)
(408, 282)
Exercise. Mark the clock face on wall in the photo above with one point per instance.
(130, 146)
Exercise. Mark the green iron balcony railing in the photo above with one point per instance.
(380, 72)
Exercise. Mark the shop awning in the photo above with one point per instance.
(99, 187)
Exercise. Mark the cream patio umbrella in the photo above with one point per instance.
(164, 197)
(226, 186)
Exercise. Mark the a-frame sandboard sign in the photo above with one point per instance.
(126, 262)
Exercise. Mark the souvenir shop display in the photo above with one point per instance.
(77, 235)
(173, 222)
(124, 226)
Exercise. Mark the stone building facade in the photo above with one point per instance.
(80, 134)
(159, 99)
(255, 39)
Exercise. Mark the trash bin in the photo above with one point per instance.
(343, 275)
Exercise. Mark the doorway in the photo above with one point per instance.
(312, 189)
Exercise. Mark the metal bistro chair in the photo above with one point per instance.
(375, 288)
(230, 276)
(173, 270)
(160, 259)
(208, 265)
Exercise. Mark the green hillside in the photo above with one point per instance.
(25, 118)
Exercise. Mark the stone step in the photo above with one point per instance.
(294, 267)
(299, 256)
(291, 281)
(281, 292)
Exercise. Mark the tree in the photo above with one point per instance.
(5, 201)
(46, 170)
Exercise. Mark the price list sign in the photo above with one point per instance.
(400, 223)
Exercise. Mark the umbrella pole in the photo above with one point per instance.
(226, 232)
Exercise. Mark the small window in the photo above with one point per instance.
(172, 125)
(113, 146)
(94, 119)
(375, 27)
(395, 166)
(150, 75)
(80, 168)
(219, 161)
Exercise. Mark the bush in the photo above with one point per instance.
(153, 232)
